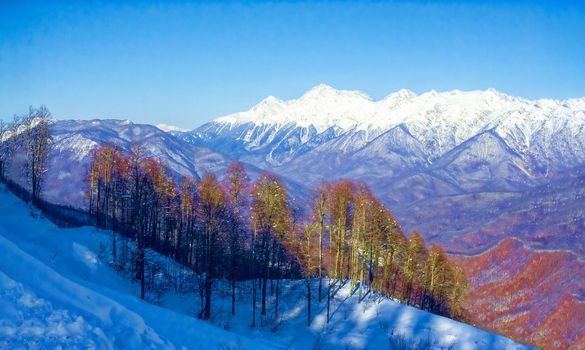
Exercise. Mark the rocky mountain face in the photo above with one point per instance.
(535, 296)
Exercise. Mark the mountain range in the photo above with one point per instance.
(476, 148)
(498, 180)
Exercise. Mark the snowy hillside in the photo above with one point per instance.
(57, 290)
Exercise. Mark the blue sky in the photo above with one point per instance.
(185, 63)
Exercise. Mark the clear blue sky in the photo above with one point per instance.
(185, 63)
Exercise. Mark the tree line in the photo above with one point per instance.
(239, 231)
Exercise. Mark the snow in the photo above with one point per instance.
(57, 290)
(439, 120)
(31, 322)
(171, 128)
(321, 107)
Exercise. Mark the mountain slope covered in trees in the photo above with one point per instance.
(59, 288)
(74, 141)
(467, 169)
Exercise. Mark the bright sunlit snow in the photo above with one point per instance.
(58, 290)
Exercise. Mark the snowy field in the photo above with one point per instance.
(57, 290)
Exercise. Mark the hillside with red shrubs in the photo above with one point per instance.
(533, 296)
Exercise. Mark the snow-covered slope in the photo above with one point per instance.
(58, 291)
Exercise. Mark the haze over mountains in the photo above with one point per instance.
(469, 170)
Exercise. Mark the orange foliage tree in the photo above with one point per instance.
(228, 229)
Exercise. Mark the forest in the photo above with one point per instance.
(236, 230)
(233, 229)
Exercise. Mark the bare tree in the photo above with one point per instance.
(306, 250)
(319, 212)
(212, 210)
(271, 218)
(4, 148)
(38, 144)
(236, 187)
(138, 216)
(10, 135)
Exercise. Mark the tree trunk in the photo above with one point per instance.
(309, 302)
(33, 182)
(233, 297)
(276, 304)
(265, 273)
(278, 276)
(320, 259)
(252, 270)
(141, 269)
(114, 246)
(264, 283)
(207, 308)
(361, 269)
(254, 291)
(328, 298)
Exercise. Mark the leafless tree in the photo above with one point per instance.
(38, 144)
(4, 149)
(9, 139)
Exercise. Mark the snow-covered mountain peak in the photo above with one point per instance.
(433, 93)
(403, 93)
(322, 107)
(320, 89)
(399, 97)
(171, 128)
(324, 91)
(272, 100)
(269, 105)
(440, 120)
(576, 104)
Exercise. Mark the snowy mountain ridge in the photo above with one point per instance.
(545, 133)
(324, 107)
(170, 128)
